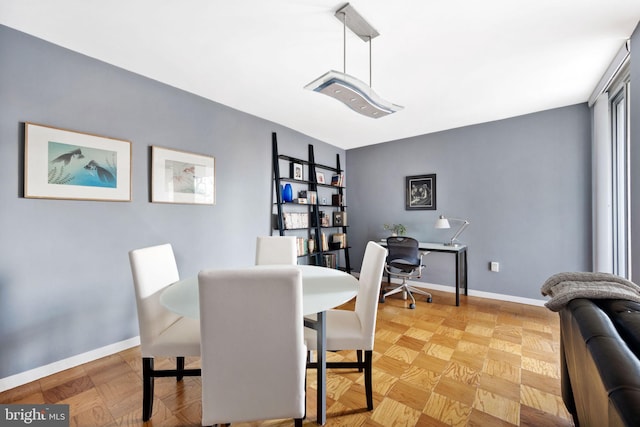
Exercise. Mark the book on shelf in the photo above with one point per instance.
(324, 242)
(312, 196)
(337, 180)
(302, 246)
(292, 220)
(330, 260)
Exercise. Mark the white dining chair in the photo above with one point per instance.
(276, 250)
(355, 329)
(162, 333)
(253, 354)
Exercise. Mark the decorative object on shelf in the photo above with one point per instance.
(347, 89)
(396, 229)
(64, 164)
(338, 241)
(319, 177)
(337, 200)
(420, 192)
(339, 219)
(182, 177)
(443, 222)
(287, 193)
(296, 171)
(337, 180)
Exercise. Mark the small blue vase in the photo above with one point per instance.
(287, 193)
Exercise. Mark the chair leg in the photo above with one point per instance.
(421, 292)
(147, 388)
(359, 355)
(368, 384)
(180, 368)
(400, 288)
(298, 422)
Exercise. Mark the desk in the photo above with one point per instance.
(322, 289)
(461, 262)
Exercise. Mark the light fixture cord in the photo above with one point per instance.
(344, 42)
(370, 80)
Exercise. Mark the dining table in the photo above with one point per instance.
(322, 289)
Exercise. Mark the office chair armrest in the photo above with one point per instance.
(423, 253)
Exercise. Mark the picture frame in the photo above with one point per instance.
(296, 171)
(67, 164)
(339, 219)
(182, 177)
(320, 178)
(420, 192)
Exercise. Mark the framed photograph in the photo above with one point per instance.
(182, 177)
(65, 164)
(420, 192)
(319, 177)
(296, 171)
(339, 219)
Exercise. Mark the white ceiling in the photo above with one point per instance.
(450, 63)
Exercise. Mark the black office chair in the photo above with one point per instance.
(405, 262)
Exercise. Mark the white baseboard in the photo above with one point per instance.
(481, 294)
(71, 362)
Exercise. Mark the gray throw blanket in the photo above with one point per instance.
(563, 287)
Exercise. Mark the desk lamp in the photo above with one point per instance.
(443, 222)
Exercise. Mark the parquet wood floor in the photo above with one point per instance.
(484, 363)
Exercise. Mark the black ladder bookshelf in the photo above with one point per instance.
(329, 197)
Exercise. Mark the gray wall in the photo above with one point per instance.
(523, 183)
(65, 282)
(635, 156)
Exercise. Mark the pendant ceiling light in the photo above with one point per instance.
(354, 93)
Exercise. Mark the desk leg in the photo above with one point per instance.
(466, 273)
(322, 368)
(458, 278)
(461, 274)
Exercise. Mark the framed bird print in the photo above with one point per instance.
(65, 164)
(182, 177)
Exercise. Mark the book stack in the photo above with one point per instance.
(293, 220)
(302, 246)
(330, 260)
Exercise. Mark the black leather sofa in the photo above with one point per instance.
(600, 361)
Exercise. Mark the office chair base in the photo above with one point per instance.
(409, 290)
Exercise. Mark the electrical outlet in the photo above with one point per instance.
(494, 266)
